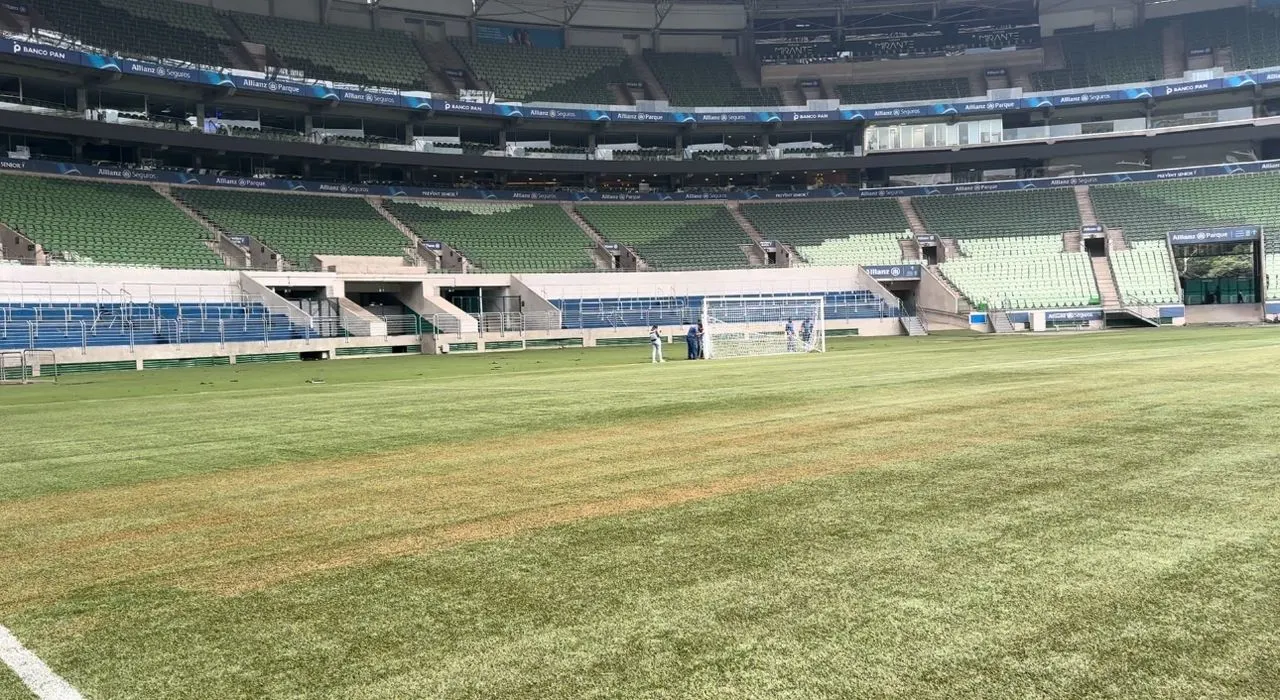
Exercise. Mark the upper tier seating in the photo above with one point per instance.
(905, 91)
(142, 29)
(1017, 273)
(1254, 37)
(812, 223)
(502, 237)
(865, 249)
(103, 222)
(578, 74)
(706, 80)
(384, 58)
(673, 237)
(1106, 58)
(1144, 274)
(77, 324)
(1022, 213)
(298, 226)
(1151, 210)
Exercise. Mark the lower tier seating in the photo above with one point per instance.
(813, 223)
(1144, 274)
(1151, 210)
(1272, 263)
(502, 237)
(1030, 279)
(686, 310)
(80, 325)
(299, 226)
(1022, 213)
(96, 222)
(673, 237)
(866, 249)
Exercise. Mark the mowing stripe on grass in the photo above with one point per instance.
(42, 681)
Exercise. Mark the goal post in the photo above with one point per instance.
(757, 326)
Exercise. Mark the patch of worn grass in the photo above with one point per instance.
(1087, 516)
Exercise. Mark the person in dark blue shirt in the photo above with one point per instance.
(806, 333)
(791, 336)
(691, 340)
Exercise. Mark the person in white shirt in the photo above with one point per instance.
(655, 342)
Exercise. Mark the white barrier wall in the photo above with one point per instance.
(711, 282)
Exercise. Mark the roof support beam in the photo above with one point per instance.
(661, 8)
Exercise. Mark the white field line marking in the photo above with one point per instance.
(42, 681)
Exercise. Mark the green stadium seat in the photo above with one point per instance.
(143, 28)
(1144, 274)
(673, 236)
(299, 226)
(905, 91)
(706, 80)
(502, 237)
(1022, 213)
(1106, 58)
(1151, 210)
(814, 223)
(579, 74)
(1253, 37)
(95, 222)
(385, 58)
(1022, 273)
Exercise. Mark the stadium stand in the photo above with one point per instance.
(53, 325)
(1144, 274)
(995, 214)
(143, 28)
(1152, 210)
(813, 223)
(576, 74)
(1106, 58)
(1272, 264)
(866, 249)
(501, 237)
(1022, 273)
(1253, 37)
(672, 237)
(94, 222)
(686, 310)
(905, 90)
(705, 80)
(384, 58)
(298, 226)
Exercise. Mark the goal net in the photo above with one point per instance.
(753, 326)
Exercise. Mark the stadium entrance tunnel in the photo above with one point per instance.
(1214, 271)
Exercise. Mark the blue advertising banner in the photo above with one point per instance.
(520, 36)
(926, 239)
(893, 272)
(433, 245)
(1215, 235)
(1075, 316)
(394, 99)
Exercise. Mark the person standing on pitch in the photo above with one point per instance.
(791, 336)
(702, 346)
(806, 332)
(691, 341)
(655, 342)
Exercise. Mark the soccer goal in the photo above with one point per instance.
(754, 326)
(28, 366)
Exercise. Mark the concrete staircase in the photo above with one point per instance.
(232, 255)
(436, 79)
(1071, 242)
(1106, 284)
(791, 94)
(735, 210)
(950, 251)
(1116, 240)
(12, 22)
(914, 325)
(1000, 322)
(910, 249)
(748, 71)
(913, 217)
(645, 73)
(412, 251)
(603, 259)
(245, 54)
(1085, 204)
(1174, 42)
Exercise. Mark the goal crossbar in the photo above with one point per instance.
(763, 325)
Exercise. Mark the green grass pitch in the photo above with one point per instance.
(1086, 516)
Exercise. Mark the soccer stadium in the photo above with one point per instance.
(333, 333)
